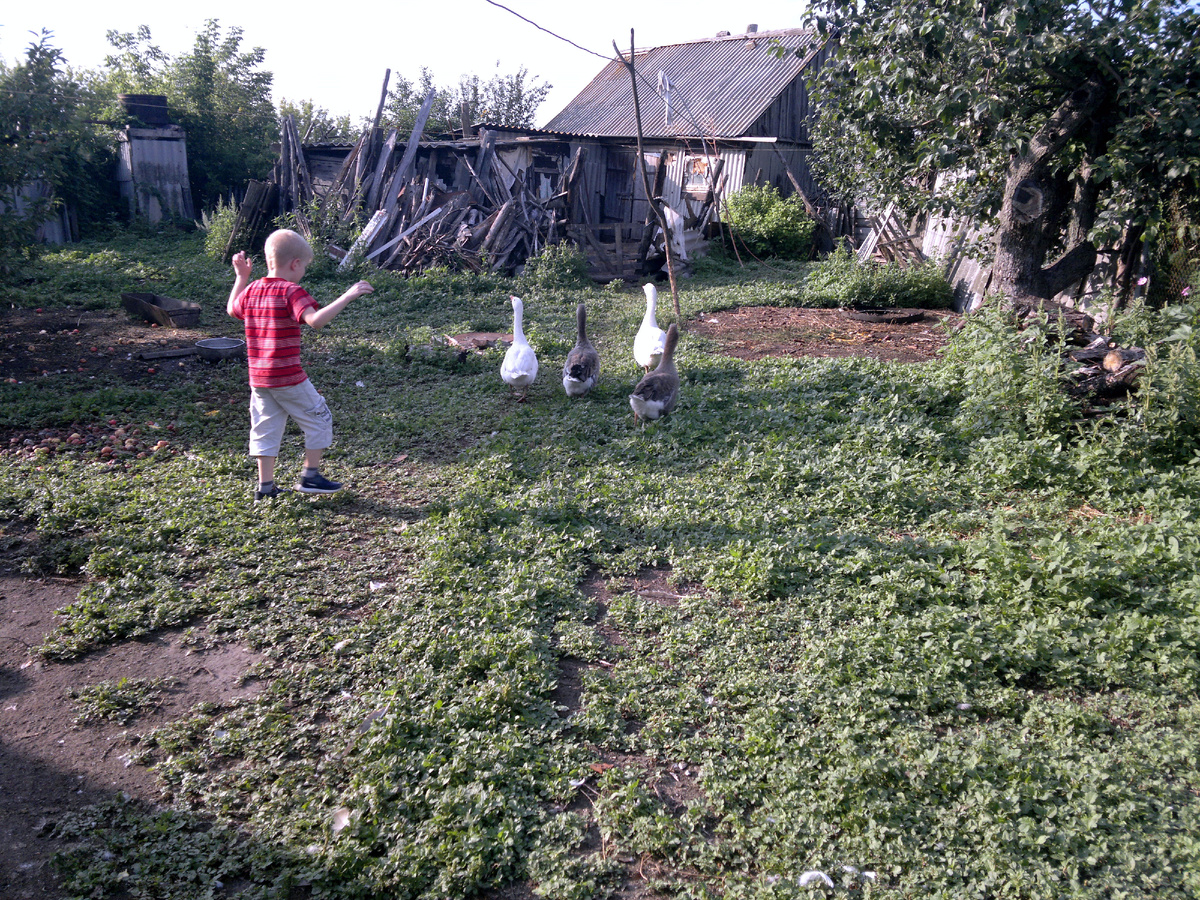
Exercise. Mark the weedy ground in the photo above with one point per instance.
(918, 628)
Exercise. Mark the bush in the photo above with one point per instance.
(217, 227)
(767, 224)
(840, 280)
(1166, 408)
(49, 141)
(558, 266)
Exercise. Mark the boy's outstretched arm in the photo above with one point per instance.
(242, 267)
(319, 318)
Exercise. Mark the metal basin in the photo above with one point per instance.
(219, 348)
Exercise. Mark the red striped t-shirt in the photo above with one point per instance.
(273, 309)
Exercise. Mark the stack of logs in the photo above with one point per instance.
(1106, 372)
(412, 223)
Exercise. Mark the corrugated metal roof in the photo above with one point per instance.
(718, 87)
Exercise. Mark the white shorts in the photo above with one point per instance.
(269, 411)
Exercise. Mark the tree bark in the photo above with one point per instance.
(1028, 227)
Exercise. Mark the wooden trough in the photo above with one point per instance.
(166, 311)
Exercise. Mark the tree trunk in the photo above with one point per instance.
(1028, 226)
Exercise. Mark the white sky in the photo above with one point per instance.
(336, 54)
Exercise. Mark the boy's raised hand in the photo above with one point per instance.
(242, 266)
(359, 288)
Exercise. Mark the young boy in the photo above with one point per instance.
(273, 308)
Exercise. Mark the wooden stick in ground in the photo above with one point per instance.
(385, 156)
(658, 213)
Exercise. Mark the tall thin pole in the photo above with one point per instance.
(653, 201)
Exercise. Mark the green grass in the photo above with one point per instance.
(933, 637)
(119, 701)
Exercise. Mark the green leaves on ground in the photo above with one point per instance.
(923, 630)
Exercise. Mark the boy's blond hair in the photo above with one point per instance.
(285, 245)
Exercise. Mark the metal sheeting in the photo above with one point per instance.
(710, 88)
(152, 172)
(55, 227)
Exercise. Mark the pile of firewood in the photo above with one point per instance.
(1107, 372)
(494, 223)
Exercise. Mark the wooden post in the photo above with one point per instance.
(658, 213)
(410, 154)
(660, 175)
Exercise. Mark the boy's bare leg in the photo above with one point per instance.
(266, 469)
(312, 458)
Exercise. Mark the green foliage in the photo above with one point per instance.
(92, 274)
(501, 100)
(216, 91)
(1013, 404)
(185, 856)
(767, 224)
(119, 701)
(511, 100)
(317, 125)
(912, 626)
(959, 89)
(840, 280)
(557, 266)
(217, 227)
(48, 140)
(1168, 396)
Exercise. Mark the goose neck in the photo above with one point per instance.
(518, 331)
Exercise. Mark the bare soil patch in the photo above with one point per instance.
(756, 332)
(50, 763)
(36, 344)
(39, 343)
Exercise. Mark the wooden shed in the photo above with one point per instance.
(717, 114)
(152, 171)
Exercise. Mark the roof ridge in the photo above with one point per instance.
(729, 36)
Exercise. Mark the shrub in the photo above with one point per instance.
(217, 227)
(49, 141)
(769, 225)
(840, 280)
(1167, 408)
(558, 266)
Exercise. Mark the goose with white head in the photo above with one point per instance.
(520, 365)
(649, 341)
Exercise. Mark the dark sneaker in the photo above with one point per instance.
(317, 484)
(271, 492)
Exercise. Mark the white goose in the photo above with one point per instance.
(581, 371)
(648, 344)
(655, 395)
(520, 362)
